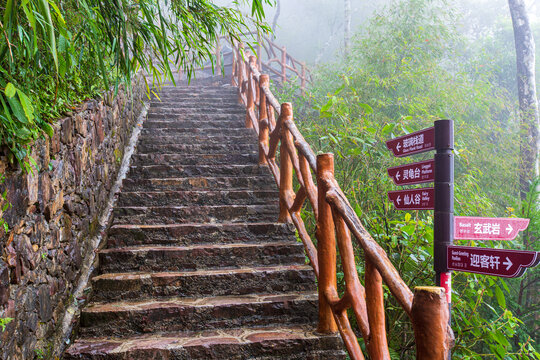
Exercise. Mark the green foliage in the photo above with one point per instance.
(408, 67)
(58, 53)
(4, 322)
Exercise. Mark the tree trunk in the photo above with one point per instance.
(274, 21)
(347, 42)
(528, 103)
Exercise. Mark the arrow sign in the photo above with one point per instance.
(497, 262)
(417, 142)
(414, 199)
(481, 228)
(417, 173)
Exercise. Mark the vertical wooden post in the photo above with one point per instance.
(285, 165)
(250, 106)
(264, 81)
(240, 69)
(303, 83)
(234, 70)
(218, 55)
(283, 65)
(377, 344)
(430, 317)
(326, 246)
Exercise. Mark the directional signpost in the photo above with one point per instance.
(417, 173)
(480, 228)
(417, 142)
(414, 199)
(497, 262)
(440, 197)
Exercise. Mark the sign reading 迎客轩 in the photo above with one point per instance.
(497, 262)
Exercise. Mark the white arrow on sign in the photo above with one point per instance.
(508, 263)
(509, 229)
(398, 200)
(398, 146)
(397, 176)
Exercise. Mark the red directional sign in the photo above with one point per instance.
(414, 199)
(417, 142)
(497, 262)
(481, 228)
(416, 173)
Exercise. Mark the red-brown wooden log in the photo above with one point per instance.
(326, 246)
(285, 166)
(377, 255)
(250, 106)
(283, 65)
(263, 121)
(310, 187)
(430, 323)
(240, 74)
(353, 288)
(376, 344)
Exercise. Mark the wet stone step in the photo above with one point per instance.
(179, 104)
(175, 171)
(194, 214)
(193, 109)
(213, 131)
(190, 234)
(200, 183)
(252, 280)
(122, 319)
(185, 122)
(200, 257)
(195, 159)
(212, 148)
(184, 198)
(283, 342)
(248, 137)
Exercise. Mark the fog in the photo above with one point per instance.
(313, 30)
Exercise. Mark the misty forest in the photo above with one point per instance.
(80, 79)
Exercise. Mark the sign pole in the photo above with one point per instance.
(444, 204)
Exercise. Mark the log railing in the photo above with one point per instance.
(275, 60)
(336, 220)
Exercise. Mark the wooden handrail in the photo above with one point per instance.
(336, 221)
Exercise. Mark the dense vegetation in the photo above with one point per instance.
(407, 67)
(56, 53)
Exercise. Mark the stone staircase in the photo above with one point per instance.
(196, 266)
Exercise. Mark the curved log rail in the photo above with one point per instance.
(334, 216)
(276, 61)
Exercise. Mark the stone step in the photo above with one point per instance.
(249, 137)
(201, 183)
(270, 343)
(184, 198)
(125, 318)
(196, 159)
(194, 214)
(200, 257)
(166, 121)
(213, 131)
(190, 234)
(212, 148)
(193, 108)
(250, 280)
(180, 104)
(164, 171)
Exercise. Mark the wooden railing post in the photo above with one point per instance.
(376, 344)
(259, 53)
(264, 81)
(218, 55)
(285, 165)
(240, 70)
(250, 106)
(326, 246)
(430, 317)
(283, 65)
(303, 83)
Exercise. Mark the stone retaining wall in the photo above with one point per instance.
(54, 214)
